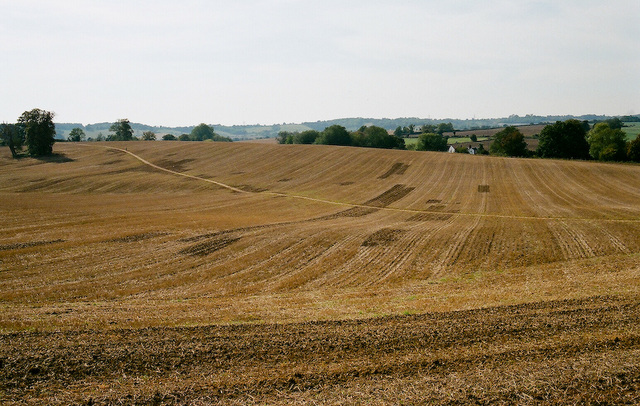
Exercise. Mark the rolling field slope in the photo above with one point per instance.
(167, 236)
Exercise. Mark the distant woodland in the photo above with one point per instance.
(247, 132)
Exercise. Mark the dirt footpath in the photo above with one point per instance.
(562, 352)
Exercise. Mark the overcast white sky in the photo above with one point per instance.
(272, 61)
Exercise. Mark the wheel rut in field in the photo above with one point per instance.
(29, 244)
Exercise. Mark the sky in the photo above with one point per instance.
(175, 63)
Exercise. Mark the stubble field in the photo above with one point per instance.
(204, 273)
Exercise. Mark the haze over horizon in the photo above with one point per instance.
(174, 64)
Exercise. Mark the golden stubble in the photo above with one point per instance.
(96, 238)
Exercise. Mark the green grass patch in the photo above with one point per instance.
(461, 140)
(451, 140)
(631, 130)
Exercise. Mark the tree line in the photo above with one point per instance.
(121, 131)
(371, 137)
(570, 139)
(36, 130)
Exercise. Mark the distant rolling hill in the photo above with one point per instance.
(247, 132)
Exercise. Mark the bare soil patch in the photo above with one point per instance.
(398, 168)
(392, 195)
(382, 237)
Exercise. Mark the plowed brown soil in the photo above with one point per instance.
(206, 273)
(559, 352)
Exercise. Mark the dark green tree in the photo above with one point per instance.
(122, 131)
(509, 142)
(169, 137)
(633, 150)
(202, 132)
(564, 139)
(305, 137)
(607, 144)
(376, 137)
(473, 138)
(148, 136)
(39, 131)
(76, 135)
(445, 127)
(431, 142)
(614, 123)
(12, 136)
(334, 135)
(285, 137)
(184, 137)
(428, 128)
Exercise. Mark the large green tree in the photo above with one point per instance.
(148, 136)
(12, 136)
(305, 137)
(334, 135)
(202, 132)
(376, 137)
(633, 150)
(285, 137)
(445, 127)
(607, 144)
(564, 139)
(614, 123)
(121, 130)
(431, 142)
(509, 142)
(39, 131)
(76, 135)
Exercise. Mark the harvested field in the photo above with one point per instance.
(228, 273)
